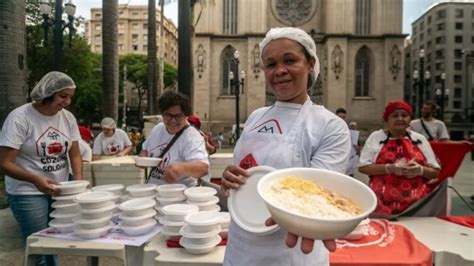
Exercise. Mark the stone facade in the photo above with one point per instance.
(340, 38)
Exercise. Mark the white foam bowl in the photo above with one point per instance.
(200, 194)
(144, 197)
(203, 221)
(137, 207)
(67, 199)
(92, 233)
(94, 200)
(116, 189)
(177, 212)
(200, 249)
(172, 232)
(136, 220)
(211, 208)
(65, 208)
(224, 220)
(61, 227)
(147, 161)
(187, 232)
(63, 218)
(84, 223)
(168, 201)
(319, 228)
(174, 224)
(97, 215)
(72, 187)
(146, 227)
(212, 201)
(171, 190)
(141, 190)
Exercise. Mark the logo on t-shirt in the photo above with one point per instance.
(271, 126)
(113, 147)
(52, 146)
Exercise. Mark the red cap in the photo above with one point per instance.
(194, 119)
(394, 105)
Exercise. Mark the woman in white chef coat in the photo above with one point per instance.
(304, 135)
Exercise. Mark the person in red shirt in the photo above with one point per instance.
(194, 121)
(86, 133)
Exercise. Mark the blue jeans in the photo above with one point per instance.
(32, 214)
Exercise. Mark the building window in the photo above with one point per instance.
(145, 26)
(457, 104)
(457, 78)
(414, 30)
(97, 38)
(441, 14)
(145, 47)
(145, 15)
(428, 45)
(121, 47)
(135, 26)
(363, 12)
(120, 26)
(458, 25)
(134, 37)
(429, 19)
(457, 93)
(226, 62)
(98, 16)
(441, 26)
(135, 14)
(135, 47)
(472, 39)
(458, 53)
(440, 54)
(422, 26)
(421, 36)
(145, 37)
(97, 27)
(439, 66)
(362, 71)
(440, 40)
(457, 66)
(458, 39)
(458, 13)
(230, 17)
(120, 36)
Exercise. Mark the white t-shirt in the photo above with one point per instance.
(85, 150)
(436, 127)
(372, 147)
(43, 143)
(111, 145)
(189, 147)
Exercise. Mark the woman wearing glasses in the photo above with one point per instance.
(182, 148)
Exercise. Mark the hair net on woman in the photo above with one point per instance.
(50, 84)
(108, 122)
(298, 35)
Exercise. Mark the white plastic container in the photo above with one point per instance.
(97, 215)
(137, 220)
(146, 227)
(200, 194)
(65, 208)
(212, 201)
(171, 190)
(211, 208)
(72, 187)
(83, 223)
(168, 201)
(116, 189)
(224, 220)
(147, 161)
(137, 207)
(92, 233)
(141, 190)
(94, 200)
(189, 233)
(61, 227)
(200, 249)
(203, 221)
(177, 212)
(67, 199)
(144, 197)
(63, 218)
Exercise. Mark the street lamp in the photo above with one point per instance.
(441, 94)
(427, 82)
(58, 25)
(416, 76)
(235, 84)
(421, 83)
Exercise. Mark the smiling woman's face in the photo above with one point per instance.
(61, 99)
(398, 121)
(174, 119)
(287, 70)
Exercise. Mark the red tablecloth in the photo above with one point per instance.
(383, 244)
(450, 155)
(467, 221)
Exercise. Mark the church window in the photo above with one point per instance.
(362, 72)
(230, 17)
(227, 65)
(363, 12)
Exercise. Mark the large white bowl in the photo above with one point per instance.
(63, 218)
(116, 189)
(68, 199)
(177, 212)
(92, 233)
(146, 227)
(94, 200)
(84, 223)
(319, 228)
(72, 187)
(141, 190)
(136, 220)
(200, 194)
(203, 221)
(61, 227)
(171, 190)
(200, 249)
(137, 207)
(168, 201)
(147, 161)
(212, 201)
(65, 208)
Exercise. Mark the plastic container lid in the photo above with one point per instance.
(247, 208)
(186, 232)
(109, 206)
(94, 197)
(203, 218)
(137, 204)
(69, 197)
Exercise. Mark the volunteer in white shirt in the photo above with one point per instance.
(293, 132)
(111, 141)
(186, 160)
(34, 147)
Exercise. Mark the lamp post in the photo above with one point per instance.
(421, 83)
(236, 83)
(58, 25)
(416, 76)
(442, 94)
(427, 77)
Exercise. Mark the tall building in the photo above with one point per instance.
(359, 44)
(133, 32)
(444, 38)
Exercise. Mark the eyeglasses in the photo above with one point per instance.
(176, 117)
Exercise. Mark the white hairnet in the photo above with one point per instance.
(108, 122)
(51, 83)
(298, 35)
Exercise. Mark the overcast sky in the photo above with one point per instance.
(412, 9)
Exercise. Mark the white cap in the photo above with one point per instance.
(108, 122)
(51, 83)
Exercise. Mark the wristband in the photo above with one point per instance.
(386, 168)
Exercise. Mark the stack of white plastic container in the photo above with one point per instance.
(118, 197)
(169, 194)
(95, 216)
(137, 216)
(65, 207)
(200, 233)
(173, 219)
(224, 222)
(203, 197)
(147, 191)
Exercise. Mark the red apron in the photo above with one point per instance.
(396, 193)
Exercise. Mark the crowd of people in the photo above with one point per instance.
(42, 145)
